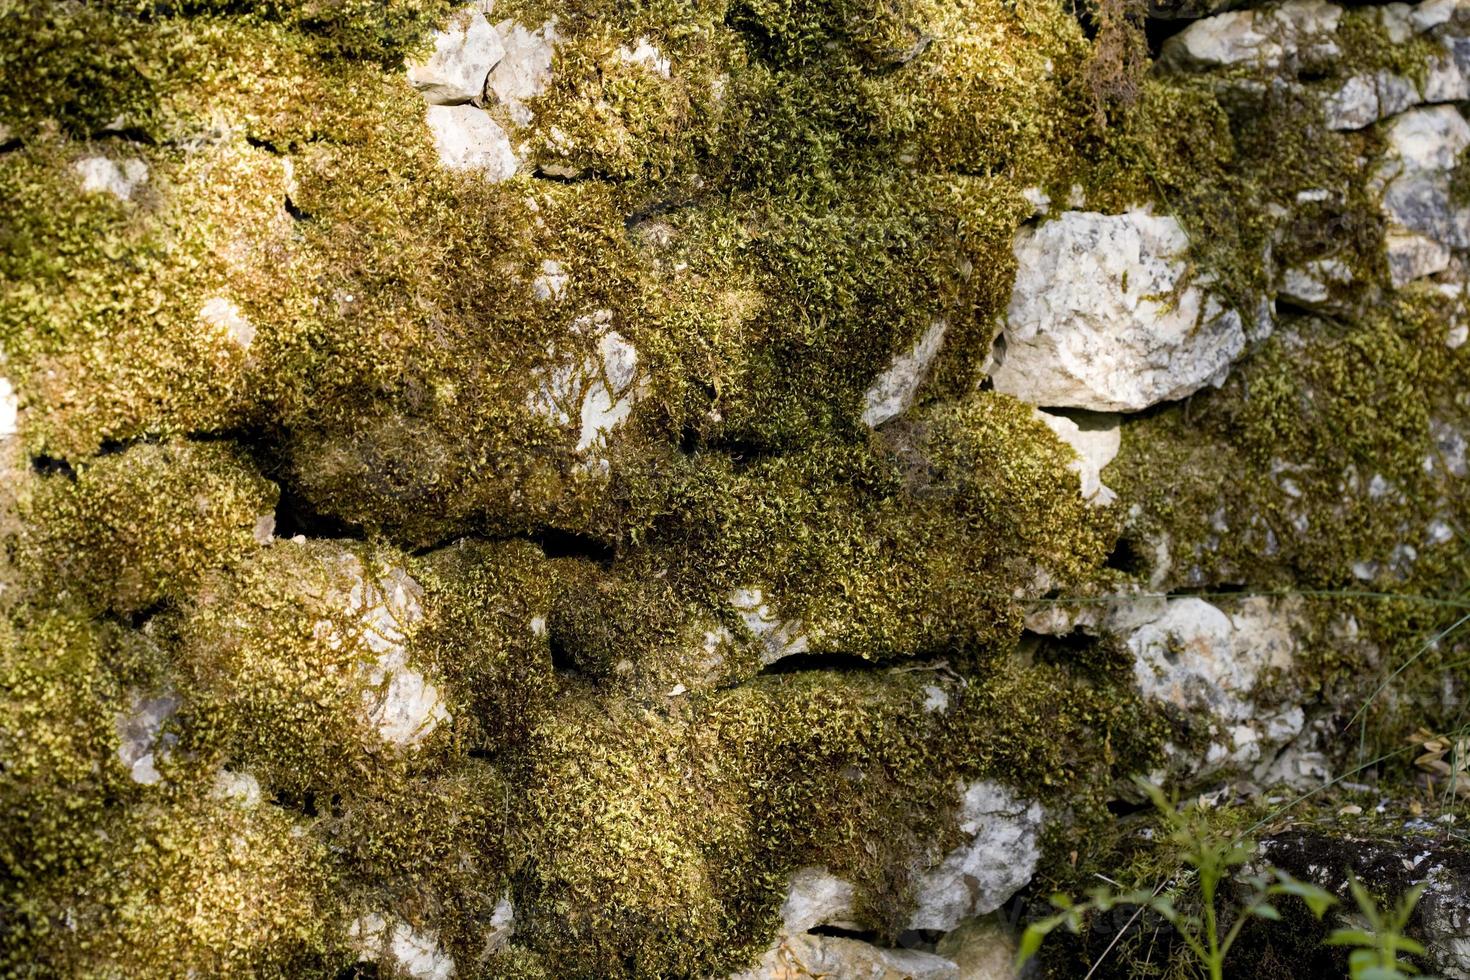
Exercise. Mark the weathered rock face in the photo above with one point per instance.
(588, 489)
(1104, 315)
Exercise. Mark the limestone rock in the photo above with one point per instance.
(996, 862)
(464, 53)
(415, 954)
(595, 390)
(779, 638)
(1201, 659)
(142, 743)
(525, 70)
(644, 53)
(1104, 316)
(1313, 285)
(399, 702)
(1267, 38)
(816, 897)
(982, 949)
(1096, 446)
(894, 391)
(100, 174)
(819, 957)
(1425, 222)
(468, 139)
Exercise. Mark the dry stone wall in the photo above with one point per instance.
(730, 488)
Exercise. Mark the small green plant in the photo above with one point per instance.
(1380, 945)
(1211, 857)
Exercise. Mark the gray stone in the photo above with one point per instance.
(816, 897)
(142, 742)
(893, 393)
(1205, 661)
(468, 139)
(525, 70)
(982, 948)
(464, 53)
(1265, 38)
(801, 956)
(1106, 315)
(1414, 180)
(982, 874)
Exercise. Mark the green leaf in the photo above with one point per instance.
(1264, 911)
(1407, 945)
(1349, 937)
(1030, 943)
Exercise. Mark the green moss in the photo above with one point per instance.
(142, 526)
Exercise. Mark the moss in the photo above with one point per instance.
(660, 843)
(196, 884)
(485, 634)
(280, 681)
(142, 526)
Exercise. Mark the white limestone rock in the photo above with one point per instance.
(142, 742)
(1095, 446)
(1204, 660)
(552, 283)
(1414, 178)
(120, 179)
(1266, 38)
(525, 70)
(1105, 316)
(644, 53)
(224, 318)
(996, 862)
(893, 392)
(1315, 285)
(414, 954)
(464, 53)
(9, 409)
(778, 638)
(800, 956)
(468, 139)
(502, 925)
(596, 389)
(400, 703)
(816, 897)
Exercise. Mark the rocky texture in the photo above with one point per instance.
(535, 491)
(463, 55)
(1425, 223)
(1389, 867)
(995, 863)
(1301, 31)
(1106, 315)
(824, 956)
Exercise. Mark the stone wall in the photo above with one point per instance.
(704, 488)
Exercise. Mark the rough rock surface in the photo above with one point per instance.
(463, 56)
(594, 489)
(984, 872)
(1106, 315)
